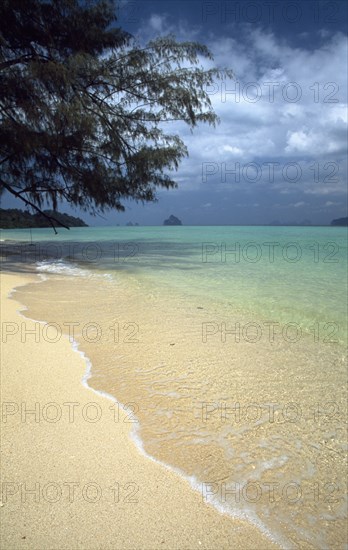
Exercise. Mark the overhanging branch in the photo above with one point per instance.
(51, 219)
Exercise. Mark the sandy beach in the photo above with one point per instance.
(173, 275)
(71, 475)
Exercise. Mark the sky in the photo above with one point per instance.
(280, 150)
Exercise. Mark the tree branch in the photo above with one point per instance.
(29, 203)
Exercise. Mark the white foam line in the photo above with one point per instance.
(248, 516)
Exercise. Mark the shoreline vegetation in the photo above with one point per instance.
(139, 503)
(14, 218)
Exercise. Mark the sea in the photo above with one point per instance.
(226, 348)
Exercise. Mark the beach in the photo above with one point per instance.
(174, 275)
(72, 482)
(189, 387)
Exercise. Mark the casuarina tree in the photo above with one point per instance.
(86, 110)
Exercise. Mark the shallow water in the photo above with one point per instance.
(231, 358)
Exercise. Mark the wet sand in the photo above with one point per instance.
(71, 475)
(236, 418)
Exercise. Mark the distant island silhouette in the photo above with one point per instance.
(172, 220)
(340, 222)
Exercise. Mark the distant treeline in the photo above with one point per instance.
(13, 218)
(340, 221)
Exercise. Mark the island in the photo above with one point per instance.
(340, 222)
(14, 218)
(172, 220)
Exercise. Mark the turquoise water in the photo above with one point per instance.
(193, 308)
(281, 274)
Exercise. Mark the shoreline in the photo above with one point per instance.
(163, 495)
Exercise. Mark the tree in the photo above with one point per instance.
(84, 108)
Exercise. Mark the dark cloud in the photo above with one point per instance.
(280, 150)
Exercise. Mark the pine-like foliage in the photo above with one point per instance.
(85, 110)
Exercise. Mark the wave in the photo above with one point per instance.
(67, 268)
(63, 267)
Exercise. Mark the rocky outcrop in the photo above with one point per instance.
(172, 220)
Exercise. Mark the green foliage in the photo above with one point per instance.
(13, 218)
(84, 109)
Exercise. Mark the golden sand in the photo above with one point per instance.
(71, 482)
(160, 368)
